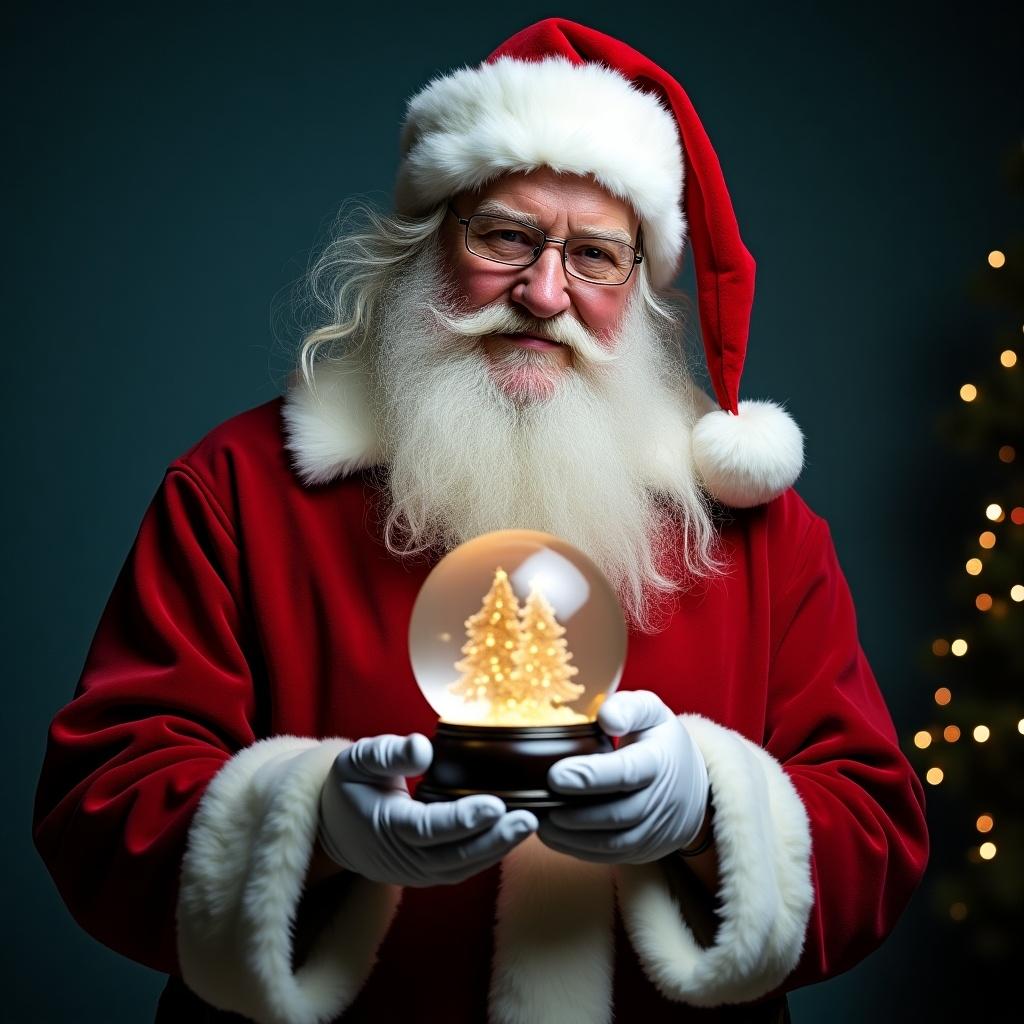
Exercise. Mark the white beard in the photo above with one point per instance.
(477, 440)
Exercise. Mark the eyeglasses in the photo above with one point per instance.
(589, 258)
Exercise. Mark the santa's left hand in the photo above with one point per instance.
(657, 786)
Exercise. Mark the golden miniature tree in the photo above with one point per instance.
(488, 668)
(543, 660)
(517, 662)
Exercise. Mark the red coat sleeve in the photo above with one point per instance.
(829, 727)
(174, 835)
(165, 698)
(819, 824)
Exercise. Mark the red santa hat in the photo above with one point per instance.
(560, 95)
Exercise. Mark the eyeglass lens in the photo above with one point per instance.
(600, 260)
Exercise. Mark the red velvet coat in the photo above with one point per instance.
(259, 625)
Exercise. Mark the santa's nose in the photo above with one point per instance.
(543, 287)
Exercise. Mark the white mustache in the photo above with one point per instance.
(500, 318)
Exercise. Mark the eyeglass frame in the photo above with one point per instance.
(638, 253)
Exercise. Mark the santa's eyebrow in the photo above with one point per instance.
(494, 208)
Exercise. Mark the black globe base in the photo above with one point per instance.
(510, 762)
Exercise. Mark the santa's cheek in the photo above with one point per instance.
(603, 315)
(482, 285)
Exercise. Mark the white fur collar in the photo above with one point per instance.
(741, 460)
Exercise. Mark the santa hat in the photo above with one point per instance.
(560, 95)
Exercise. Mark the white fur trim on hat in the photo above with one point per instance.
(766, 892)
(249, 848)
(464, 129)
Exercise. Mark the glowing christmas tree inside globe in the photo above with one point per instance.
(516, 667)
(515, 640)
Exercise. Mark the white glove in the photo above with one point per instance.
(657, 765)
(370, 824)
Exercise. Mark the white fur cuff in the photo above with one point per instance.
(249, 849)
(762, 833)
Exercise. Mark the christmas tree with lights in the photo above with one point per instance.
(543, 659)
(516, 667)
(970, 747)
(489, 669)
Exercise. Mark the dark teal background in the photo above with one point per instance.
(170, 167)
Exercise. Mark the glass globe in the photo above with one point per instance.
(516, 639)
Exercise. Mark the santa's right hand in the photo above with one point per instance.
(370, 824)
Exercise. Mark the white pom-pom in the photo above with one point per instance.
(750, 458)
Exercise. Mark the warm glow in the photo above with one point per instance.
(1020, 727)
(940, 647)
(973, 566)
(968, 392)
(996, 259)
(1007, 453)
(1017, 592)
(934, 776)
(951, 733)
(981, 733)
(959, 648)
(995, 513)
(987, 539)
(1008, 357)
(1017, 515)
(958, 911)
(984, 823)
(983, 602)
(987, 850)
(922, 739)
(516, 685)
(942, 695)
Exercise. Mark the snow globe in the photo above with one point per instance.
(516, 639)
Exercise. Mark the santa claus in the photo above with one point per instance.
(230, 797)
